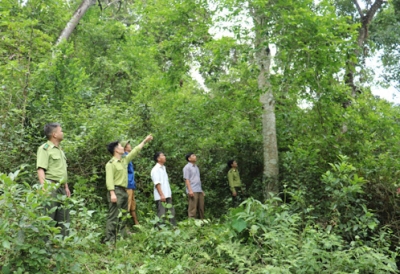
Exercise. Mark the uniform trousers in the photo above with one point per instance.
(236, 200)
(57, 210)
(116, 224)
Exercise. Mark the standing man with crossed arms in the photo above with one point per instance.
(191, 175)
(51, 166)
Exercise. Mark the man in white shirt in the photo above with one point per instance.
(162, 189)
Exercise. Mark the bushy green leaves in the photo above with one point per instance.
(27, 232)
(252, 237)
(124, 74)
(285, 243)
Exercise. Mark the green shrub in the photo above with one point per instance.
(30, 241)
(279, 239)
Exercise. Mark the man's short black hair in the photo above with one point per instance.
(156, 155)
(230, 162)
(187, 156)
(111, 147)
(49, 129)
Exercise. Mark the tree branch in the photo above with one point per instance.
(73, 22)
(112, 3)
(358, 8)
(361, 41)
(101, 7)
(372, 11)
(366, 21)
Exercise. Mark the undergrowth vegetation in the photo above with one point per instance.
(270, 237)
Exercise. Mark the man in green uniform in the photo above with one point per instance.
(235, 185)
(51, 167)
(117, 181)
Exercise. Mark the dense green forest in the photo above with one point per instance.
(282, 87)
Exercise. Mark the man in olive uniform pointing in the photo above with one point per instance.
(117, 182)
(51, 167)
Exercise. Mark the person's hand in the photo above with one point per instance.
(67, 192)
(191, 194)
(148, 138)
(113, 198)
(162, 198)
(234, 194)
(44, 189)
(204, 194)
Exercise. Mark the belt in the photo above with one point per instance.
(121, 187)
(50, 180)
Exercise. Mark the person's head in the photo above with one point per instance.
(232, 164)
(127, 146)
(53, 131)
(115, 147)
(191, 157)
(159, 157)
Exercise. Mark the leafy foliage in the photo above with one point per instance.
(251, 238)
(29, 233)
(125, 73)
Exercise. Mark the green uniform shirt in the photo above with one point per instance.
(117, 170)
(52, 159)
(234, 179)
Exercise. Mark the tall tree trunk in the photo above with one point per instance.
(270, 147)
(73, 22)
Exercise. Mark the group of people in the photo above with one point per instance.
(120, 182)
